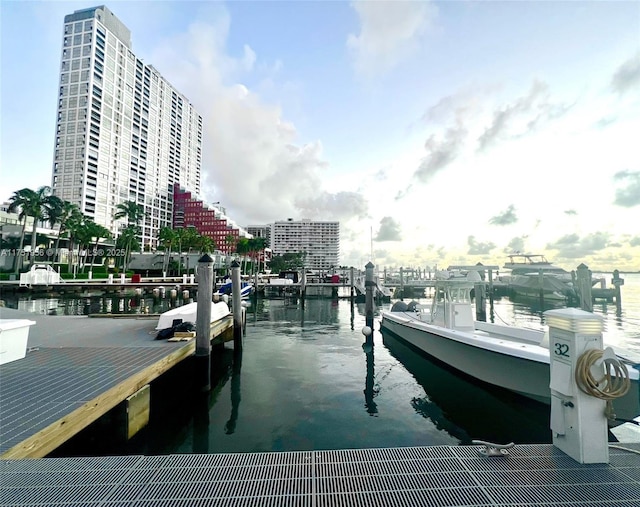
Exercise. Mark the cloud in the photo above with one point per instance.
(629, 195)
(635, 241)
(627, 76)
(572, 246)
(253, 161)
(476, 248)
(338, 206)
(389, 33)
(441, 152)
(389, 230)
(570, 212)
(507, 217)
(516, 245)
(523, 116)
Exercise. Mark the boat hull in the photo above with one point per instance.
(188, 313)
(522, 375)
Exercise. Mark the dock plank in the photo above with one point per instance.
(78, 369)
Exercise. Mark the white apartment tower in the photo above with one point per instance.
(320, 241)
(123, 132)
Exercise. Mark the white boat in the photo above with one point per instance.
(534, 285)
(510, 357)
(188, 313)
(534, 264)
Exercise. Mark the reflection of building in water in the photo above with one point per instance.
(315, 311)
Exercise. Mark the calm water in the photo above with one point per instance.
(304, 382)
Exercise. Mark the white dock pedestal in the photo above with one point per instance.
(14, 334)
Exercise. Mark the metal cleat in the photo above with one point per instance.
(491, 450)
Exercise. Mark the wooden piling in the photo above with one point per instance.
(481, 301)
(352, 292)
(236, 302)
(203, 323)
(584, 283)
(617, 282)
(369, 286)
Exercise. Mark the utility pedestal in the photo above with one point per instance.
(578, 420)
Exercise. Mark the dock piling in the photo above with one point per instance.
(203, 322)
(237, 305)
(617, 282)
(369, 285)
(583, 280)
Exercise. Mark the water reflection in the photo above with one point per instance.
(468, 411)
(230, 426)
(75, 304)
(369, 386)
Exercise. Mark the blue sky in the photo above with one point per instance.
(451, 132)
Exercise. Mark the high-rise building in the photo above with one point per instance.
(261, 231)
(123, 132)
(318, 241)
(211, 221)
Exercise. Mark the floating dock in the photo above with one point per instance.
(411, 476)
(76, 370)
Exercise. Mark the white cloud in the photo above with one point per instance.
(627, 76)
(253, 162)
(389, 32)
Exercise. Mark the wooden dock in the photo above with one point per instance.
(76, 370)
(400, 477)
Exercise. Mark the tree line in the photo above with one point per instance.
(83, 234)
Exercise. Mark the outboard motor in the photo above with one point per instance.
(411, 307)
(399, 306)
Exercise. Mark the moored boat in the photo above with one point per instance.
(246, 289)
(516, 359)
(188, 313)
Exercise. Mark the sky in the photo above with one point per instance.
(437, 133)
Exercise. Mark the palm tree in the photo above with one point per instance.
(74, 225)
(131, 210)
(242, 248)
(97, 232)
(257, 245)
(167, 238)
(134, 213)
(128, 240)
(38, 204)
(68, 213)
(204, 244)
(231, 242)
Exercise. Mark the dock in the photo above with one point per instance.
(76, 370)
(410, 476)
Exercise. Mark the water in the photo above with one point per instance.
(304, 382)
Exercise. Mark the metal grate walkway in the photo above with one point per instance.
(414, 476)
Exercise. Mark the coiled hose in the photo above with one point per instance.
(610, 385)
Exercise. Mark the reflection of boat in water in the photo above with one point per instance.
(513, 358)
(465, 410)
